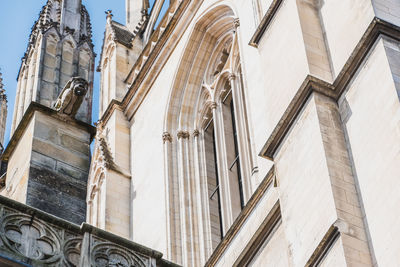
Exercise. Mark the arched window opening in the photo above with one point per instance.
(207, 103)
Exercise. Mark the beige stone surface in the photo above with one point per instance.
(370, 111)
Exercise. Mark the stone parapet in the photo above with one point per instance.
(32, 237)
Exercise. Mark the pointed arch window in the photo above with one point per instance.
(224, 138)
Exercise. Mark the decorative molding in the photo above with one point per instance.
(312, 84)
(213, 104)
(183, 134)
(196, 133)
(241, 219)
(167, 137)
(236, 22)
(265, 22)
(31, 236)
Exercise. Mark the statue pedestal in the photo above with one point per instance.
(48, 163)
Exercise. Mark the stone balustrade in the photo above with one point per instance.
(31, 237)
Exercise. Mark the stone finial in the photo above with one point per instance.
(71, 97)
(109, 15)
(183, 134)
(166, 137)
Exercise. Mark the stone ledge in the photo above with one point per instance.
(34, 106)
(241, 219)
(312, 84)
(66, 240)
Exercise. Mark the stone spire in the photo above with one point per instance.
(48, 155)
(3, 111)
(60, 47)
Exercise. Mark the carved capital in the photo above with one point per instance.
(183, 134)
(236, 22)
(196, 133)
(213, 105)
(231, 77)
(166, 137)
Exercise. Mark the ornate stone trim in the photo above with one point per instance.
(183, 134)
(196, 133)
(166, 136)
(236, 22)
(34, 237)
(213, 104)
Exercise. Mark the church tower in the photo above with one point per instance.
(49, 155)
(60, 47)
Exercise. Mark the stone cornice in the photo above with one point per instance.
(34, 106)
(114, 105)
(311, 84)
(265, 22)
(241, 219)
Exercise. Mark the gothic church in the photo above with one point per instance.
(230, 133)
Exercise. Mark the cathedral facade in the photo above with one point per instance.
(230, 133)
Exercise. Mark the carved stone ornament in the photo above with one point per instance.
(111, 255)
(72, 252)
(166, 137)
(183, 134)
(30, 238)
(71, 97)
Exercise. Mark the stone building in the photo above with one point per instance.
(231, 133)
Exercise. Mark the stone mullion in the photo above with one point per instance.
(243, 144)
(223, 176)
(353, 230)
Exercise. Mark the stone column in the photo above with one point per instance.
(350, 222)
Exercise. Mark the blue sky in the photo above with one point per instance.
(16, 21)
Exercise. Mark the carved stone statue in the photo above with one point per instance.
(71, 97)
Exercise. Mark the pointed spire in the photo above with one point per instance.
(109, 16)
(2, 90)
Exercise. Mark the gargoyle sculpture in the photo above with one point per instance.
(71, 97)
